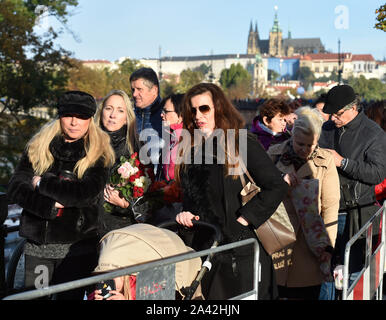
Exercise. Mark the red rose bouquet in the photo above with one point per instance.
(132, 179)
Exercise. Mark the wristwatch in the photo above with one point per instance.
(343, 163)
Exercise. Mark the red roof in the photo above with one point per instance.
(326, 56)
(362, 57)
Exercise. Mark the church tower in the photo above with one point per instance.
(253, 40)
(275, 38)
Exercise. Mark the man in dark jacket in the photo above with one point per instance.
(147, 107)
(359, 147)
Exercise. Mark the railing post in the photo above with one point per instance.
(3, 234)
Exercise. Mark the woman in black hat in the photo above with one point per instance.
(59, 184)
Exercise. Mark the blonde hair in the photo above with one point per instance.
(96, 143)
(309, 121)
(131, 134)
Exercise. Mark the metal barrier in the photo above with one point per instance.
(369, 282)
(33, 294)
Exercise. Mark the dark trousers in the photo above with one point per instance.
(43, 271)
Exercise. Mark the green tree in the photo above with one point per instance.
(189, 78)
(368, 89)
(381, 18)
(305, 75)
(168, 86)
(236, 81)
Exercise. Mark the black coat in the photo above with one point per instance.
(207, 192)
(363, 143)
(119, 217)
(80, 197)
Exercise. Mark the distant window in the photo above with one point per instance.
(317, 69)
(325, 69)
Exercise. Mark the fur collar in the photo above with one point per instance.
(67, 151)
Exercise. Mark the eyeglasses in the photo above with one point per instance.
(203, 109)
(339, 114)
(166, 111)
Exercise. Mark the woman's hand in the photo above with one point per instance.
(58, 205)
(115, 295)
(292, 179)
(185, 218)
(112, 196)
(242, 221)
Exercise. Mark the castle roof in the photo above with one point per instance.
(362, 57)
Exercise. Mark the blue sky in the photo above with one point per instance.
(116, 28)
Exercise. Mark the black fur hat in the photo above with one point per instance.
(78, 103)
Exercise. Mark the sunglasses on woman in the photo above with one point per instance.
(203, 109)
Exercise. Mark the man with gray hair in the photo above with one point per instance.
(359, 146)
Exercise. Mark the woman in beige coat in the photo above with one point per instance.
(297, 268)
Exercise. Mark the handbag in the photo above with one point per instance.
(277, 232)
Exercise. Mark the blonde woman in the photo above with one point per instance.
(115, 115)
(59, 183)
(299, 158)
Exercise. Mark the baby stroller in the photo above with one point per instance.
(141, 243)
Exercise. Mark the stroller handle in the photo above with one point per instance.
(217, 232)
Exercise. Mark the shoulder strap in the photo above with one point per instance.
(244, 169)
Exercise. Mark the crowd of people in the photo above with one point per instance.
(63, 180)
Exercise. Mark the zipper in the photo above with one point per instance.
(340, 136)
(45, 233)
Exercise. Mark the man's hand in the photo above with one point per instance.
(337, 157)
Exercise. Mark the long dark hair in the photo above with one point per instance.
(226, 117)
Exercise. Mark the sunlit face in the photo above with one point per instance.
(343, 117)
(203, 114)
(114, 113)
(74, 127)
(143, 96)
(304, 144)
(277, 124)
(168, 114)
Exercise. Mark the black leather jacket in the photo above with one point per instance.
(363, 143)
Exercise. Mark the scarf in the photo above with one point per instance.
(290, 157)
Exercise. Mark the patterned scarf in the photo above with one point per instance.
(290, 157)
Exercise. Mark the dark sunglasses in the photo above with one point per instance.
(203, 109)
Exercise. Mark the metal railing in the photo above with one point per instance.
(370, 278)
(38, 293)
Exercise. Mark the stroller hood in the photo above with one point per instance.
(140, 243)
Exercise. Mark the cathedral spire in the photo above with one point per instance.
(276, 27)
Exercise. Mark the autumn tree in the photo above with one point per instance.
(381, 18)
(32, 68)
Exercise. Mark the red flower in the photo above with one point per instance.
(134, 155)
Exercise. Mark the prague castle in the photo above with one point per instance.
(276, 46)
